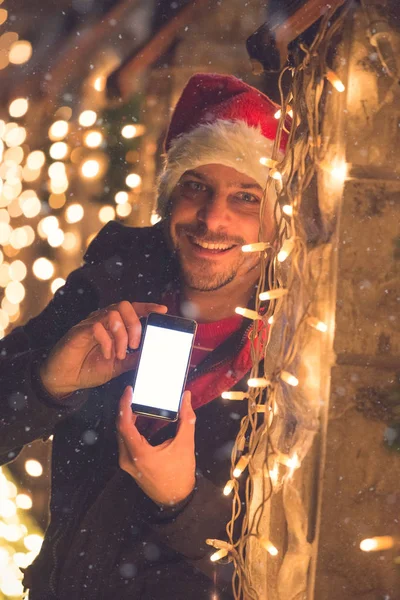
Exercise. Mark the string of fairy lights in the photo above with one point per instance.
(288, 179)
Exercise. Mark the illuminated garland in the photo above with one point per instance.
(287, 181)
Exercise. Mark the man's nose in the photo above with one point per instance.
(214, 212)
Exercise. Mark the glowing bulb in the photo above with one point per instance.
(274, 473)
(33, 542)
(248, 313)
(17, 270)
(256, 247)
(241, 465)
(47, 225)
(18, 107)
(43, 269)
(335, 81)
(106, 214)
(133, 180)
(288, 210)
(269, 547)
(7, 508)
(55, 238)
(15, 292)
(30, 204)
(286, 249)
(36, 159)
(23, 501)
(289, 379)
(20, 52)
(317, 324)
(87, 118)
(70, 241)
(268, 162)
(93, 139)
(56, 284)
(276, 175)
(121, 197)
(155, 218)
(384, 542)
(233, 395)
(33, 468)
(277, 114)
(218, 555)
(74, 213)
(15, 137)
(260, 382)
(131, 131)
(229, 487)
(273, 294)
(58, 130)
(58, 150)
(339, 171)
(90, 168)
(270, 320)
(99, 83)
(123, 210)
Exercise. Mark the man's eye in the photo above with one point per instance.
(194, 186)
(248, 198)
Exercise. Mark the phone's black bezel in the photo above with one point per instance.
(176, 324)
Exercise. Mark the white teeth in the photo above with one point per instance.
(212, 246)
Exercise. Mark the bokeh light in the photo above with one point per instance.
(133, 180)
(74, 213)
(43, 269)
(18, 107)
(106, 214)
(20, 52)
(87, 118)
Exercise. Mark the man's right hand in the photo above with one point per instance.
(94, 350)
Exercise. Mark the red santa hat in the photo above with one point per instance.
(218, 119)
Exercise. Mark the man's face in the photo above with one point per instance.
(214, 212)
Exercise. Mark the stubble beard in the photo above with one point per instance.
(200, 277)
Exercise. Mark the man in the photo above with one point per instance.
(133, 499)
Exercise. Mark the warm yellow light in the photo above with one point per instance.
(121, 197)
(248, 313)
(15, 292)
(289, 378)
(276, 175)
(4, 319)
(241, 465)
(34, 469)
(57, 170)
(3, 15)
(229, 487)
(269, 547)
(268, 162)
(339, 171)
(270, 320)
(5, 233)
(70, 241)
(10, 308)
(317, 324)
(335, 81)
(7, 508)
(12, 533)
(124, 210)
(218, 555)
(59, 186)
(90, 168)
(99, 83)
(15, 137)
(292, 462)
(133, 180)
(131, 131)
(277, 114)
(287, 209)
(30, 204)
(17, 270)
(20, 52)
(4, 274)
(384, 542)
(273, 294)
(286, 249)
(36, 159)
(23, 501)
(15, 155)
(57, 200)
(274, 473)
(234, 395)
(43, 269)
(55, 238)
(33, 542)
(74, 213)
(18, 107)
(56, 284)
(87, 118)
(260, 382)
(155, 217)
(47, 225)
(256, 247)
(93, 139)
(106, 214)
(58, 130)
(58, 150)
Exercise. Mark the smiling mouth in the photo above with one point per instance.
(209, 248)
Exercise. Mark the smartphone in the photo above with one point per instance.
(165, 352)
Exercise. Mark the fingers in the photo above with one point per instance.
(103, 339)
(143, 309)
(126, 420)
(187, 420)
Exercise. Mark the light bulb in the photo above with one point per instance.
(241, 465)
(229, 487)
(260, 382)
(287, 209)
(256, 247)
(334, 80)
(269, 547)
(246, 312)
(268, 162)
(273, 294)
(384, 542)
(317, 324)
(233, 395)
(286, 249)
(218, 555)
(289, 378)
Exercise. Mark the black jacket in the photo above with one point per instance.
(106, 539)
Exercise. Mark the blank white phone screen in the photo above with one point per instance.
(162, 368)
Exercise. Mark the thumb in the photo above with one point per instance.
(187, 417)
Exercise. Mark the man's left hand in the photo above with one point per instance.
(166, 473)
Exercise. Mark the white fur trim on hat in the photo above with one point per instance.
(230, 143)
